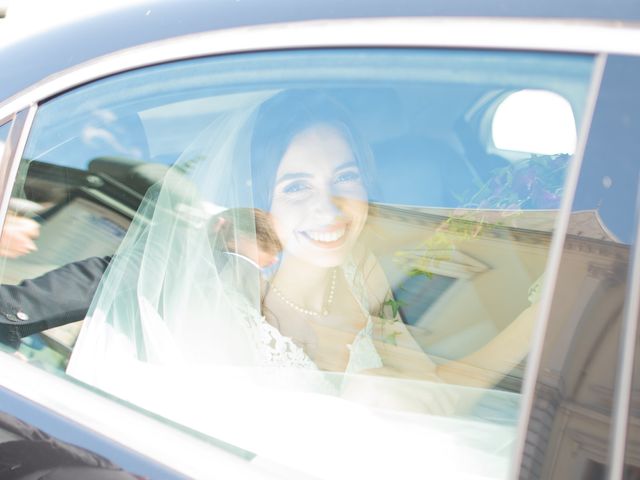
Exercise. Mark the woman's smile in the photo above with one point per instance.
(319, 204)
(329, 237)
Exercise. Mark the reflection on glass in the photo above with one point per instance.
(535, 121)
(325, 259)
(631, 129)
(569, 429)
(19, 230)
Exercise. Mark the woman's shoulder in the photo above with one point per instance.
(368, 272)
(363, 259)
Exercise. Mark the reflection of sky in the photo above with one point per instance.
(422, 153)
(611, 165)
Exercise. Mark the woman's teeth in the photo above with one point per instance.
(326, 236)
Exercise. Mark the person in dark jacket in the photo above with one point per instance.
(64, 295)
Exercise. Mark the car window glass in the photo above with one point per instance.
(631, 127)
(569, 428)
(547, 114)
(328, 231)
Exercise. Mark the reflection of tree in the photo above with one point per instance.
(534, 184)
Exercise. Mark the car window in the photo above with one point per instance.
(331, 232)
(631, 146)
(523, 112)
(570, 424)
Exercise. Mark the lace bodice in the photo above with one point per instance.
(276, 349)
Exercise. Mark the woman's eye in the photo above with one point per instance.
(296, 187)
(348, 177)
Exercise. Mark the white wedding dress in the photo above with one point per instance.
(281, 351)
(285, 409)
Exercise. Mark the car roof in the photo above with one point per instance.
(33, 58)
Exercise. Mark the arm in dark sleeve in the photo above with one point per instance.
(56, 298)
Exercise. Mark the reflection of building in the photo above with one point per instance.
(569, 425)
(574, 393)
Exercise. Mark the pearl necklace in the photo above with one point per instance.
(313, 313)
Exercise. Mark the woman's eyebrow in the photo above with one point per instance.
(345, 165)
(293, 176)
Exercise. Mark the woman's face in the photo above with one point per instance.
(319, 201)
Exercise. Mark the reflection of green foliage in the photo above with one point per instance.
(533, 184)
(536, 183)
(416, 272)
(391, 338)
(434, 249)
(395, 307)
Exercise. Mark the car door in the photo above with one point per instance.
(583, 386)
(473, 218)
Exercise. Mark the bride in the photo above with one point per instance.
(323, 306)
(312, 173)
(200, 319)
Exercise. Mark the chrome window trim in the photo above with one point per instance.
(6, 156)
(11, 158)
(3, 151)
(6, 119)
(532, 368)
(626, 360)
(144, 434)
(439, 32)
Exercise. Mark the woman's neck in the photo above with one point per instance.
(302, 282)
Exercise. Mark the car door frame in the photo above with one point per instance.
(595, 38)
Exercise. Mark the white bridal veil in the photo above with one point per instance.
(169, 297)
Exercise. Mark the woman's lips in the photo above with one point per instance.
(330, 237)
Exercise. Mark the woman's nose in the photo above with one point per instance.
(327, 206)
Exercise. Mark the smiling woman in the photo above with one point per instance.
(314, 170)
(317, 174)
(327, 300)
(319, 207)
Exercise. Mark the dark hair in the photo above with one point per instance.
(225, 227)
(280, 119)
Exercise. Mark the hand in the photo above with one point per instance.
(18, 235)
